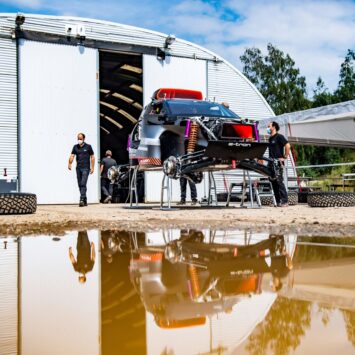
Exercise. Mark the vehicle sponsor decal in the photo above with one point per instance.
(245, 145)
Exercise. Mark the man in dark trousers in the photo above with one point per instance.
(183, 185)
(106, 186)
(85, 164)
(279, 149)
(85, 258)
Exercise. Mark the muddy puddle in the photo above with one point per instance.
(177, 292)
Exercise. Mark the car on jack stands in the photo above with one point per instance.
(186, 135)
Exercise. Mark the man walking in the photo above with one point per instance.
(106, 186)
(85, 164)
(279, 149)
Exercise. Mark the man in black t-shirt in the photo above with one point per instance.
(85, 164)
(106, 186)
(85, 258)
(279, 149)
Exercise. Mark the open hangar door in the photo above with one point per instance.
(121, 103)
(58, 95)
(121, 100)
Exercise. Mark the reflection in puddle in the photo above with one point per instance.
(177, 292)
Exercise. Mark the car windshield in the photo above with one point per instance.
(198, 108)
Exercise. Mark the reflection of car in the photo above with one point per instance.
(188, 279)
(187, 135)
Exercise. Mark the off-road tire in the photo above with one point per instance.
(268, 200)
(331, 199)
(17, 203)
(292, 198)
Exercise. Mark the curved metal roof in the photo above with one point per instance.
(111, 32)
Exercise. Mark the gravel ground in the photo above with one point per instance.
(301, 219)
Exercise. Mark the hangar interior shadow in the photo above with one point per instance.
(121, 101)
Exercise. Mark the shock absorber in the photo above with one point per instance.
(193, 136)
(194, 281)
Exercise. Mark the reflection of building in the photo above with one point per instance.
(8, 296)
(122, 314)
(51, 312)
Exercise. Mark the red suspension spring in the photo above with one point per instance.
(193, 136)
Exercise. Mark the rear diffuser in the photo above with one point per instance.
(235, 150)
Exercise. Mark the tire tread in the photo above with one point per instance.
(17, 203)
(331, 199)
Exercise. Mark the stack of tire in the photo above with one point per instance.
(292, 199)
(17, 203)
(331, 199)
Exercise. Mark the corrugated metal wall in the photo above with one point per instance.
(103, 31)
(8, 107)
(8, 297)
(173, 72)
(225, 83)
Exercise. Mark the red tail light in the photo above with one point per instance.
(238, 130)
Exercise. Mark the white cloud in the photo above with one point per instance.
(316, 33)
(27, 3)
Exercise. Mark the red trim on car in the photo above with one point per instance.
(170, 93)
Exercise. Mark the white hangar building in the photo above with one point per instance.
(63, 75)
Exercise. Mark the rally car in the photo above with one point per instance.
(187, 135)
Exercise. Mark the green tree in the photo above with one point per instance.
(282, 329)
(277, 78)
(349, 318)
(280, 82)
(321, 95)
(346, 87)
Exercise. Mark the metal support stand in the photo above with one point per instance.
(166, 185)
(269, 193)
(133, 187)
(168, 236)
(212, 190)
(246, 184)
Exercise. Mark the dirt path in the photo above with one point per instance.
(300, 219)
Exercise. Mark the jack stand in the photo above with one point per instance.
(212, 190)
(246, 184)
(168, 236)
(166, 184)
(133, 187)
(134, 241)
(246, 176)
(244, 189)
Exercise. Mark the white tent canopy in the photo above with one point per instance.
(331, 125)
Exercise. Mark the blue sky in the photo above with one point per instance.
(316, 33)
